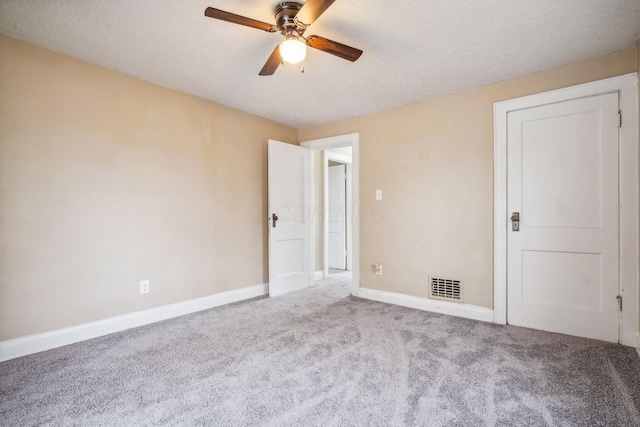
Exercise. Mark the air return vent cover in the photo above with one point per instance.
(445, 289)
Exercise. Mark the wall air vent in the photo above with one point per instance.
(445, 289)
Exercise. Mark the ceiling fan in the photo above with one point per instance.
(292, 20)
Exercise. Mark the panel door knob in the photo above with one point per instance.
(515, 224)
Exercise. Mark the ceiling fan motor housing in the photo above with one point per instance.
(285, 13)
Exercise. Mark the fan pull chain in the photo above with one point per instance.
(302, 68)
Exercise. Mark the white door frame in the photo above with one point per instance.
(349, 140)
(336, 157)
(627, 87)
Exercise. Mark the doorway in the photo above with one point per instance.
(566, 184)
(335, 149)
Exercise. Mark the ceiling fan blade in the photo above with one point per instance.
(237, 19)
(334, 48)
(312, 9)
(272, 63)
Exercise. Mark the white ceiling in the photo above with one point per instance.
(413, 49)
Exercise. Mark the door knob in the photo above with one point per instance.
(274, 218)
(515, 218)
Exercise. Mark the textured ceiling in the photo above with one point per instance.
(413, 49)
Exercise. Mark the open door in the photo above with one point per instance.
(289, 218)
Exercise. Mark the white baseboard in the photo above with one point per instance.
(17, 347)
(319, 275)
(445, 307)
(638, 343)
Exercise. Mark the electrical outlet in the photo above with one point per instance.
(378, 269)
(144, 286)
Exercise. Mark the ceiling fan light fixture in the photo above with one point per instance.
(292, 20)
(293, 50)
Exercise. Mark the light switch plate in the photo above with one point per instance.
(378, 194)
(144, 286)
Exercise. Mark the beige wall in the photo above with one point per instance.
(106, 180)
(434, 162)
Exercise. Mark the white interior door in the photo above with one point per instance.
(337, 217)
(562, 263)
(289, 218)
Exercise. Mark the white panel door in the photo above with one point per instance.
(289, 218)
(562, 264)
(337, 217)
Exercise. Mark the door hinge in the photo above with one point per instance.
(619, 298)
(619, 120)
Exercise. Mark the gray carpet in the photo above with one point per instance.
(322, 357)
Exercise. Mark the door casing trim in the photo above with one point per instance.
(627, 87)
